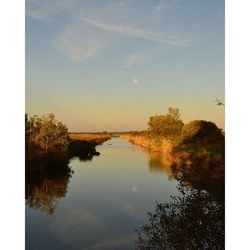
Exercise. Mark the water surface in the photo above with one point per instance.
(103, 202)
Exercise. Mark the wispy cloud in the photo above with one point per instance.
(92, 25)
(162, 9)
(44, 10)
(132, 60)
(135, 32)
(77, 46)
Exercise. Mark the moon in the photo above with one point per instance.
(135, 81)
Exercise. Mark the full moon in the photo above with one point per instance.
(135, 81)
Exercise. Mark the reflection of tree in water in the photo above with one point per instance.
(192, 220)
(48, 175)
(46, 187)
(200, 172)
(84, 150)
(157, 163)
(196, 170)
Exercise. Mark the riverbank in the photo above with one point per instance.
(197, 165)
(196, 157)
(81, 145)
(153, 144)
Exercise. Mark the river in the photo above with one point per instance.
(101, 203)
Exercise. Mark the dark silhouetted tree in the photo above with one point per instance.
(192, 220)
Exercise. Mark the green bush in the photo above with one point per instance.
(169, 125)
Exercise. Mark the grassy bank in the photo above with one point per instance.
(149, 142)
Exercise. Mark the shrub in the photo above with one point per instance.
(169, 125)
(202, 139)
(199, 130)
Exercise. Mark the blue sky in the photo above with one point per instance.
(109, 65)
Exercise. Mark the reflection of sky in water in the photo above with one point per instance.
(107, 199)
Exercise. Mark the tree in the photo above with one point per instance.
(168, 125)
(192, 220)
(47, 133)
(219, 103)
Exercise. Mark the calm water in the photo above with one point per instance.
(102, 204)
(99, 204)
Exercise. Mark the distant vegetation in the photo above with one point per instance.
(98, 137)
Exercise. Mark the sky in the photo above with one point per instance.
(109, 65)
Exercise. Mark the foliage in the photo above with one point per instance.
(199, 129)
(200, 156)
(201, 136)
(192, 220)
(168, 125)
(46, 133)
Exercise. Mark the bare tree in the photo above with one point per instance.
(219, 103)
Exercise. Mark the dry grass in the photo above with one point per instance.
(162, 145)
(89, 136)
